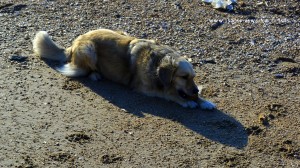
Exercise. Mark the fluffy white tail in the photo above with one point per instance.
(45, 47)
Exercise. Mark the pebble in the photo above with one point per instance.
(279, 76)
(252, 42)
(144, 35)
(178, 5)
(209, 61)
(216, 25)
(18, 58)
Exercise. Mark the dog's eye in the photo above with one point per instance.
(185, 77)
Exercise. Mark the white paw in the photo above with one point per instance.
(207, 105)
(95, 76)
(190, 104)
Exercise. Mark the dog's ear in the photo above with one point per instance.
(165, 74)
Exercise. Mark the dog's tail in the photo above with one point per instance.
(45, 47)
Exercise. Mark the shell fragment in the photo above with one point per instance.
(222, 4)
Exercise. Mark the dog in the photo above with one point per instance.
(144, 65)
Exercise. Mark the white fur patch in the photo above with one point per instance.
(207, 105)
(71, 71)
(200, 88)
(45, 47)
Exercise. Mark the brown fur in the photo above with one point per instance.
(148, 67)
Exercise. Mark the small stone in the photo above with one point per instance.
(279, 76)
(260, 3)
(209, 61)
(144, 35)
(18, 58)
(216, 25)
(177, 5)
(274, 107)
(252, 42)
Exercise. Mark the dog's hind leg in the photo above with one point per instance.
(83, 61)
(87, 58)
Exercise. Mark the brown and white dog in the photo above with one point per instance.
(144, 65)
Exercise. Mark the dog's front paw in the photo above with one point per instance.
(207, 105)
(190, 104)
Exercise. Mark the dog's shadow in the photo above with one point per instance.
(214, 125)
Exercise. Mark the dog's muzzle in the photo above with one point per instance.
(183, 95)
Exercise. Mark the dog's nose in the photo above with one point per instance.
(195, 90)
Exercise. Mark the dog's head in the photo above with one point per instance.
(178, 74)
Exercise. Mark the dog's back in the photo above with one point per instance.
(106, 52)
(103, 50)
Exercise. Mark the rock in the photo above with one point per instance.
(118, 16)
(279, 76)
(216, 25)
(18, 58)
(178, 5)
(144, 35)
(274, 107)
(208, 61)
